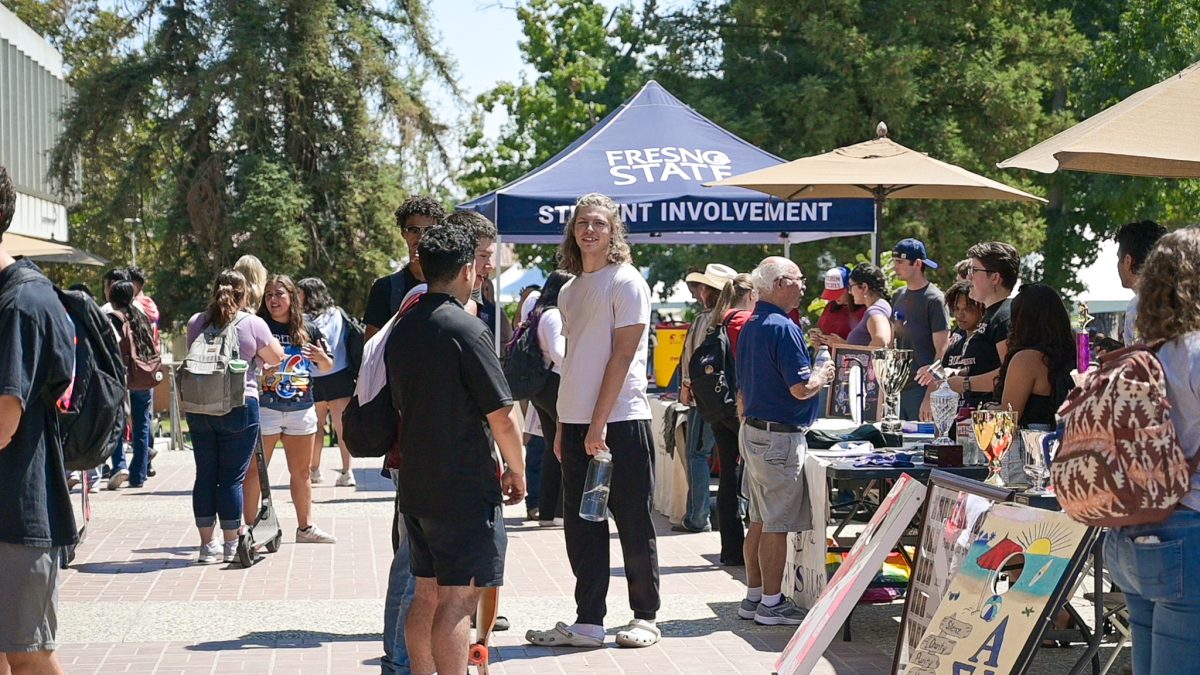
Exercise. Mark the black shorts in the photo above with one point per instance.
(459, 550)
(335, 386)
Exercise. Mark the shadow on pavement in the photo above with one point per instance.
(141, 566)
(284, 639)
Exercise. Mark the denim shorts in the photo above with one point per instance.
(774, 478)
(29, 596)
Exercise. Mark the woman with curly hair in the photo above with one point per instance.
(1157, 564)
(288, 409)
(1036, 374)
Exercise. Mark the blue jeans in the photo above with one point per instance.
(140, 419)
(222, 447)
(700, 442)
(401, 587)
(1161, 590)
(534, 450)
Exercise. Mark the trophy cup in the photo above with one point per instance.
(994, 430)
(1035, 442)
(892, 367)
(944, 404)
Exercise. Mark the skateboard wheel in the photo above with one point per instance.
(477, 655)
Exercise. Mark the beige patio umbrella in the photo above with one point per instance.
(44, 250)
(880, 169)
(1155, 132)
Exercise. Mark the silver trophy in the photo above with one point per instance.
(1039, 447)
(892, 368)
(943, 402)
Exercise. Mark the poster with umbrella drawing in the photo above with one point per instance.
(1015, 575)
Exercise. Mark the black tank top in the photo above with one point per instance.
(1040, 408)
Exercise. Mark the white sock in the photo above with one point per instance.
(772, 600)
(754, 594)
(588, 629)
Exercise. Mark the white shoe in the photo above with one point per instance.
(118, 479)
(229, 549)
(314, 476)
(209, 553)
(73, 480)
(314, 535)
(345, 479)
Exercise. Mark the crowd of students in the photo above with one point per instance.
(460, 453)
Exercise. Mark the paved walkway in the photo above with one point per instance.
(134, 601)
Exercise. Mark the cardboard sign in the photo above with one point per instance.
(952, 519)
(858, 568)
(985, 627)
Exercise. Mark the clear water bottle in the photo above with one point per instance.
(594, 506)
(822, 358)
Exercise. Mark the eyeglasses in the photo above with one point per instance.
(798, 280)
(278, 295)
(416, 230)
(973, 270)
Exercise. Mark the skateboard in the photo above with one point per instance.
(485, 621)
(265, 532)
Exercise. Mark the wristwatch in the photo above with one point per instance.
(966, 384)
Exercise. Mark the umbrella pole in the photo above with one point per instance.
(875, 231)
(787, 248)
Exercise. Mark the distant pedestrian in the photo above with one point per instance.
(332, 389)
(868, 288)
(546, 319)
(36, 519)
(125, 308)
(222, 445)
(1134, 243)
(255, 274)
(416, 216)
(920, 322)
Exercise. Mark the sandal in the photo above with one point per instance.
(639, 633)
(561, 636)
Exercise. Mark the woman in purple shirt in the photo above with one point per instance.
(223, 445)
(868, 288)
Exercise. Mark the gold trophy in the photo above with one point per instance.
(994, 431)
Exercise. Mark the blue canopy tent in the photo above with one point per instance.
(652, 155)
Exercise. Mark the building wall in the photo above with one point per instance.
(32, 97)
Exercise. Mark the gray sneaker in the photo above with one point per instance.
(747, 609)
(786, 613)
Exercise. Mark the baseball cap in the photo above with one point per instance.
(837, 280)
(714, 275)
(912, 250)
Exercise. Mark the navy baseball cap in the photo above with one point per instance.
(912, 250)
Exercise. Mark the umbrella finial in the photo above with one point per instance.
(881, 130)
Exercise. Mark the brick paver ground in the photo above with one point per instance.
(135, 602)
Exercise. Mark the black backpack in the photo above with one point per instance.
(354, 333)
(95, 415)
(523, 365)
(714, 381)
(371, 429)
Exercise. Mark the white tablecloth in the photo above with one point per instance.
(670, 471)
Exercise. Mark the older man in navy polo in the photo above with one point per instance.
(777, 396)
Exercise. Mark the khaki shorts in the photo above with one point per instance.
(774, 478)
(29, 598)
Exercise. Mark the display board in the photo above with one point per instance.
(854, 387)
(824, 620)
(951, 519)
(983, 626)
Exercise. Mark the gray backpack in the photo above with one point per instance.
(207, 385)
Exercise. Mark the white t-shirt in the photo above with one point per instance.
(1180, 360)
(593, 306)
(527, 306)
(551, 339)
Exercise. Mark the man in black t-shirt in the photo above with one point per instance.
(415, 217)
(36, 520)
(453, 400)
(995, 269)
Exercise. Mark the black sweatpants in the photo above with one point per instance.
(733, 536)
(629, 499)
(546, 404)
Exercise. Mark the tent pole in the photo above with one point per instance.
(787, 248)
(499, 301)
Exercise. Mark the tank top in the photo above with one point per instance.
(861, 335)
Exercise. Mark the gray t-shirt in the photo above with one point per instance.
(916, 316)
(1180, 360)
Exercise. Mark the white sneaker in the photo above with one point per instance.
(73, 480)
(314, 535)
(209, 553)
(314, 476)
(118, 479)
(229, 548)
(345, 479)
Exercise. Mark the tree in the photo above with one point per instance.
(281, 128)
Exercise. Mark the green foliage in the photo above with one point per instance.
(289, 129)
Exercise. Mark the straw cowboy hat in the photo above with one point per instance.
(714, 275)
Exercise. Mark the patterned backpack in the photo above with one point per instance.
(1120, 462)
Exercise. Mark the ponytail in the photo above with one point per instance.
(734, 291)
(229, 292)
